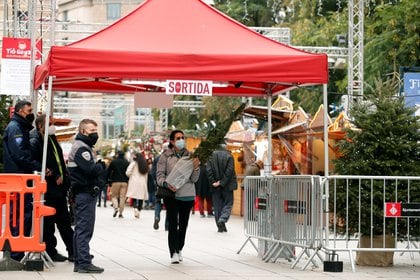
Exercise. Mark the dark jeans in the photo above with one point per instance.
(158, 209)
(63, 222)
(152, 199)
(178, 214)
(103, 194)
(222, 204)
(84, 215)
(138, 204)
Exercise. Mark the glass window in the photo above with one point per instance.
(113, 11)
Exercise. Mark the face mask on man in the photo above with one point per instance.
(51, 130)
(93, 137)
(180, 144)
(30, 118)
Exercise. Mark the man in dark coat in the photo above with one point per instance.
(57, 188)
(222, 179)
(17, 159)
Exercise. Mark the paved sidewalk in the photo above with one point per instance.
(131, 249)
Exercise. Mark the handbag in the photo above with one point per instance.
(164, 193)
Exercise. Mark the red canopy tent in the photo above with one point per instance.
(180, 40)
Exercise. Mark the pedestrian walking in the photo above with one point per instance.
(177, 209)
(103, 187)
(151, 187)
(159, 201)
(119, 183)
(222, 179)
(137, 172)
(202, 189)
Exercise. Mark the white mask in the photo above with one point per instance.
(51, 130)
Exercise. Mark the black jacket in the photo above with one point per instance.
(83, 169)
(37, 146)
(117, 168)
(202, 186)
(17, 156)
(221, 167)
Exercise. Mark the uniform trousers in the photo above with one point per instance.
(84, 215)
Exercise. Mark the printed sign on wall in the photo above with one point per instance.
(16, 66)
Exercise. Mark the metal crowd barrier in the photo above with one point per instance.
(297, 216)
(14, 189)
(385, 209)
(284, 213)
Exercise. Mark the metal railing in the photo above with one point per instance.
(332, 215)
(285, 212)
(358, 219)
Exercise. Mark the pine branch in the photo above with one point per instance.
(216, 135)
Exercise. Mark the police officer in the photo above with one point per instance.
(17, 159)
(84, 174)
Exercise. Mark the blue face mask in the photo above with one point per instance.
(180, 144)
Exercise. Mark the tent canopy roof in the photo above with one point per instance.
(180, 40)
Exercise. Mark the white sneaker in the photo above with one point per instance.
(136, 213)
(180, 256)
(175, 258)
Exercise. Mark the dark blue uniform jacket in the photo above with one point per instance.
(17, 149)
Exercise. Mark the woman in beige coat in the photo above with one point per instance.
(137, 182)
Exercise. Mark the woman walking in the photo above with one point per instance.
(137, 183)
(177, 209)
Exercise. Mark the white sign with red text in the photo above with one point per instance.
(16, 66)
(189, 87)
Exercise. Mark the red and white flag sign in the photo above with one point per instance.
(16, 66)
(392, 209)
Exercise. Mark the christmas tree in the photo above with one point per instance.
(182, 170)
(384, 142)
(216, 135)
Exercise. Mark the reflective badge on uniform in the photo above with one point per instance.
(86, 156)
(18, 140)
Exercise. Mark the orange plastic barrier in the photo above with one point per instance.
(13, 187)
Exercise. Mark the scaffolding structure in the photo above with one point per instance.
(37, 20)
(355, 51)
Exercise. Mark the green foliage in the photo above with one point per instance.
(215, 136)
(371, 196)
(255, 13)
(217, 107)
(385, 142)
(184, 118)
(391, 32)
(312, 30)
(387, 139)
(5, 103)
(392, 39)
